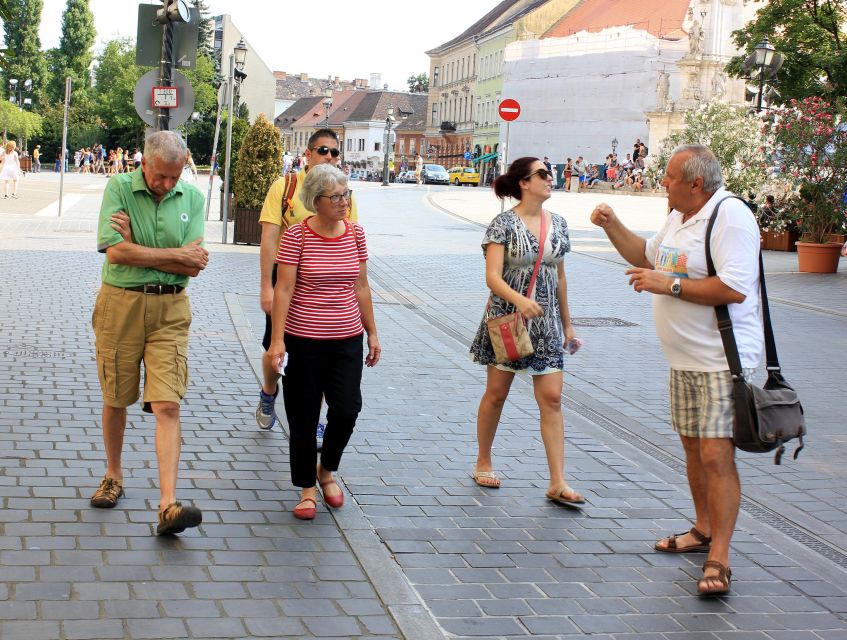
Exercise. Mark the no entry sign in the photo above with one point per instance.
(509, 109)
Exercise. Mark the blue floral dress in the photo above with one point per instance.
(521, 252)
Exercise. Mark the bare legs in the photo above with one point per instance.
(168, 445)
(270, 374)
(548, 395)
(716, 492)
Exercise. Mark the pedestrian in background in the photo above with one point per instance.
(11, 170)
(151, 230)
(672, 266)
(36, 159)
(511, 248)
(321, 307)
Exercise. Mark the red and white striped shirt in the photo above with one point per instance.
(324, 303)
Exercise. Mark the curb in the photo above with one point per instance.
(402, 602)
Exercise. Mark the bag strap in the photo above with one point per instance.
(532, 279)
(290, 186)
(722, 311)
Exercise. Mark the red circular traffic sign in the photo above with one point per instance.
(509, 109)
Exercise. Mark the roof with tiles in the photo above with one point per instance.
(661, 18)
(291, 86)
(505, 12)
(375, 106)
(296, 111)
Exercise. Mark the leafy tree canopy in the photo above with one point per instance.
(418, 83)
(74, 55)
(24, 58)
(811, 35)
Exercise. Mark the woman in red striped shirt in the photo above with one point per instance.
(322, 306)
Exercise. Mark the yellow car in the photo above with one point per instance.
(464, 175)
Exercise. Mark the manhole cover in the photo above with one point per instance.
(601, 322)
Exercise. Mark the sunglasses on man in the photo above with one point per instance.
(541, 173)
(323, 150)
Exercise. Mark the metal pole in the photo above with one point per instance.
(229, 118)
(761, 88)
(64, 143)
(166, 69)
(215, 148)
(385, 154)
(505, 163)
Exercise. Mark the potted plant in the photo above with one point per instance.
(809, 140)
(259, 164)
(779, 231)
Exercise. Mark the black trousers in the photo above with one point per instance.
(330, 369)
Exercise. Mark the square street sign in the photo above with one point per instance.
(148, 48)
(165, 98)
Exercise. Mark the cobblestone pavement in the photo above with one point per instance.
(490, 564)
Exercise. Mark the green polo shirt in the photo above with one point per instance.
(175, 221)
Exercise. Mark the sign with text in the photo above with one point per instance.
(165, 98)
(509, 109)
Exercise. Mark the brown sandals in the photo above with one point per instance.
(724, 577)
(703, 543)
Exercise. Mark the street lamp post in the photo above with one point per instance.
(767, 61)
(614, 145)
(389, 120)
(236, 60)
(327, 106)
(16, 96)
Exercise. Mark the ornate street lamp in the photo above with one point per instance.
(327, 106)
(236, 75)
(389, 120)
(767, 60)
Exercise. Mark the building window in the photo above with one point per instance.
(361, 144)
(411, 145)
(435, 77)
(402, 146)
(376, 146)
(434, 114)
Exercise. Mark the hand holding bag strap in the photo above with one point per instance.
(543, 239)
(722, 311)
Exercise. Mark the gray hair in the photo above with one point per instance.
(319, 180)
(165, 145)
(703, 164)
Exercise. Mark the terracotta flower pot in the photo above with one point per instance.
(818, 258)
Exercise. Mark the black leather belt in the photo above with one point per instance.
(156, 289)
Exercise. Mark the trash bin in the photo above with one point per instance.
(26, 163)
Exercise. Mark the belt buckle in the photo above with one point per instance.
(153, 289)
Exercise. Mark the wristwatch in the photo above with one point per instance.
(676, 288)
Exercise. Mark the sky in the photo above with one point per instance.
(335, 37)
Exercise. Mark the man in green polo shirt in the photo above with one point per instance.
(151, 230)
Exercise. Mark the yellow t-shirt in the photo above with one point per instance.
(297, 211)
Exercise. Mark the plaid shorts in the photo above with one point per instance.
(701, 403)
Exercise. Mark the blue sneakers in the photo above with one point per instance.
(266, 413)
(319, 434)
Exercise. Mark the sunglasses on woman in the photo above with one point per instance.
(541, 173)
(335, 198)
(323, 150)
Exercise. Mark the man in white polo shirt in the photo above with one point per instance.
(672, 265)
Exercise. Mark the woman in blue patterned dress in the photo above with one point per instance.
(511, 249)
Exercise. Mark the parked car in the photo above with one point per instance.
(358, 174)
(405, 176)
(464, 175)
(435, 173)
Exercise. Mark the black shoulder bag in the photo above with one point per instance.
(768, 417)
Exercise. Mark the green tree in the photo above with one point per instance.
(116, 77)
(418, 83)
(811, 35)
(24, 59)
(74, 55)
(239, 130)
(205, 43)
(259, 163)
(5, 16)
(733, 135)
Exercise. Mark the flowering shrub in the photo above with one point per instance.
(808, 140)
(733, 135)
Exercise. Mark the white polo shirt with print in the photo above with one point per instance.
(688, 331)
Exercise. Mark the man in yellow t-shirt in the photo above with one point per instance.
(275, 218)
